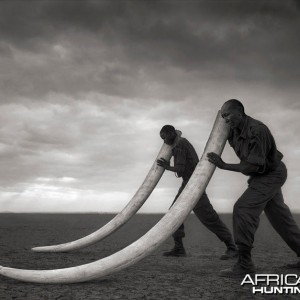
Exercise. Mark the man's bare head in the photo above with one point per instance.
(233, 112)
(168, 134)
(234, 104)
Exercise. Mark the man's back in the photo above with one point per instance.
(185, 154)
(255, 144)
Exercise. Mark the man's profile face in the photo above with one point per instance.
(231, 115)
(168, 137)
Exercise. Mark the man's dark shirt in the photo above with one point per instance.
(185, 155)
(255, 145)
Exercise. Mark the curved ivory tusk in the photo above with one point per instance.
(148, 242)
(120, 219)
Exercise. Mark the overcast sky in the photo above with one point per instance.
(85, 87)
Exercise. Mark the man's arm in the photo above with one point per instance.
(242, 167)
(166, 165)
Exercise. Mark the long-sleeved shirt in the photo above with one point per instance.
(255, 145)
(185, 155)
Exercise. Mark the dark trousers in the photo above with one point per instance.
(208, 216)
(264, 194)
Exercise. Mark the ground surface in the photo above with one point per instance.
(154, 277)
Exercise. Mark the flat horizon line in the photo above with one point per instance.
(92, 212)
(105, 213)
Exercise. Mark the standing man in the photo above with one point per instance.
(254, 144)
(185, 161)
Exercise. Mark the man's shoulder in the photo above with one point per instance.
(255, 127)
(253, 122)
(182, 142)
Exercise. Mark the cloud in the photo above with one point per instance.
(135, 49)
(85, 87)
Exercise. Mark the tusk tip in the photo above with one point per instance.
(37, 249)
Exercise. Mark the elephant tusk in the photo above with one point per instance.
(121, 218)
(148, 242)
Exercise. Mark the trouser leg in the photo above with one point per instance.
(179, 234)
(211, 220)
(283, 222)
(259, 196)
(246, 214)
(247, 210)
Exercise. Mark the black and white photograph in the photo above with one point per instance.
(149, 149)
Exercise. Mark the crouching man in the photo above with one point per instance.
(255, 146)
(185, 161)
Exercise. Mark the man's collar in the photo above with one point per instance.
(245, 128)
(176, 140)
(243, 133)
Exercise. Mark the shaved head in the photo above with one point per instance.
(168, 129)
(168, 134)
(233, 104)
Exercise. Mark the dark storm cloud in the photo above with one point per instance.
(85, 87)
(123, 47)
